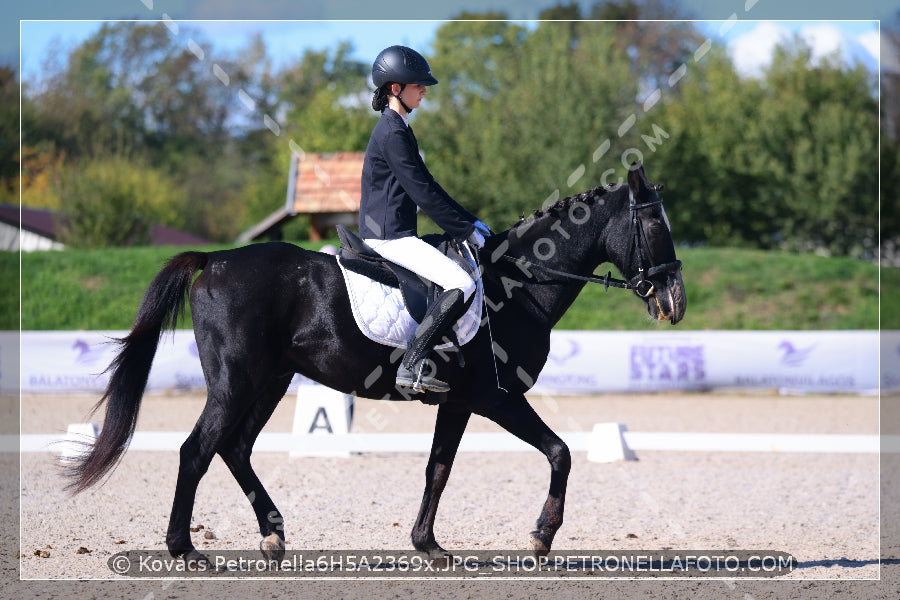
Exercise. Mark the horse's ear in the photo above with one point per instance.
(637, 181)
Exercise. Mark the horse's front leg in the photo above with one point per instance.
(518, 417)
(448, 430)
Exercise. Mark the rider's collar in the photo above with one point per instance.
(404, 117)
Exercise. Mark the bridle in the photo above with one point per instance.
(640, 284)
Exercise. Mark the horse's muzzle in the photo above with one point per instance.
(667, 302)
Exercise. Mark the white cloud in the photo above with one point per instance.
(870, 40)
(752, 51)
(825, 40)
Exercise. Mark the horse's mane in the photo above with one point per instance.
(588, 197)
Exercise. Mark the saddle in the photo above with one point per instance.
(357, 256)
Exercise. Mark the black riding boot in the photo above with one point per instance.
(417, 370)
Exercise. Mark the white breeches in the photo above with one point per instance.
(426, 261)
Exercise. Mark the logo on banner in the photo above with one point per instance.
(667, 364)
(86, 355)
(562, 355)
(793, 356)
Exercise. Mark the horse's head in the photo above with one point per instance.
(645, 253)
(559, 247)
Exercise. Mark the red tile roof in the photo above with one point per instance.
(327, 183)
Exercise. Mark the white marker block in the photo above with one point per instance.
(320, 411)
(78, 434)
(607, 444)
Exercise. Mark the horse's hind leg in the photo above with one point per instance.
(235, 451)
(228, 405)
(215, 423)
(448, 430)
(518, 417)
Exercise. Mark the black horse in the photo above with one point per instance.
(265, 312)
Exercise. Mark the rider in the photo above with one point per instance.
(395, 183)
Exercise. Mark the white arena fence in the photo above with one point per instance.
(580, 362)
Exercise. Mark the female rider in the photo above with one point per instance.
(395, 183)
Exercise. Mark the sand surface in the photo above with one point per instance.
(822, 508)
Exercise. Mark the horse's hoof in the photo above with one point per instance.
(272, 547)
(539, 546)
(434, 551)
(195, 561)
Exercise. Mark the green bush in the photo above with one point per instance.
(114, 202)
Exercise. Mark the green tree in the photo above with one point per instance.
(9, 134)
(788, 161)
(134, 87)
(655, 34)
(327, 101)
(821, 123)
(890, 145)
(114, 202)
(712, 174)
(520, 110)
(137, 91)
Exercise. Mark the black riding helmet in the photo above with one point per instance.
(401, 65)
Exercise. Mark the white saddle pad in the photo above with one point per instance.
(382, 316)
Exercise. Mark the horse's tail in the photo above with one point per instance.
(160, 310)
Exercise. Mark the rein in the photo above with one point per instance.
(638, 284)
(607, 280)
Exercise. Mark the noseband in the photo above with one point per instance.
(640, 284)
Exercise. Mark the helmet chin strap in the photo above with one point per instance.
(399, 99)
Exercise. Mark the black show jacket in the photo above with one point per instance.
(395, 181)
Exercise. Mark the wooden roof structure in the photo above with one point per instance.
(325, 186)
(326, 183)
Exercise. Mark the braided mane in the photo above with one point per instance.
(588, 197)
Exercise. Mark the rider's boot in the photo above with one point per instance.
(418, 370)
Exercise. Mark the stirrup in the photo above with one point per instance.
(422, 377)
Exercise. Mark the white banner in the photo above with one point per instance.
(76, 361)
(584, 362)
(580, 362)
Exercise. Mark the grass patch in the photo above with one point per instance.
(727, 289)
(733, 289)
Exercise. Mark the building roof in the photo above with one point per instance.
(35, 220)
(318, 183)
(325, 183)
(46, 223)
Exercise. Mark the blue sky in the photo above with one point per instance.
(13, 11)
(285, 40)
(322, 27)
(751, 42)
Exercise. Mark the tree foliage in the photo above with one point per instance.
(789, 161)
(890, 140)
(522, 109)
(524, 113)
(8, 124)
(114, 202)
(328, 101)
